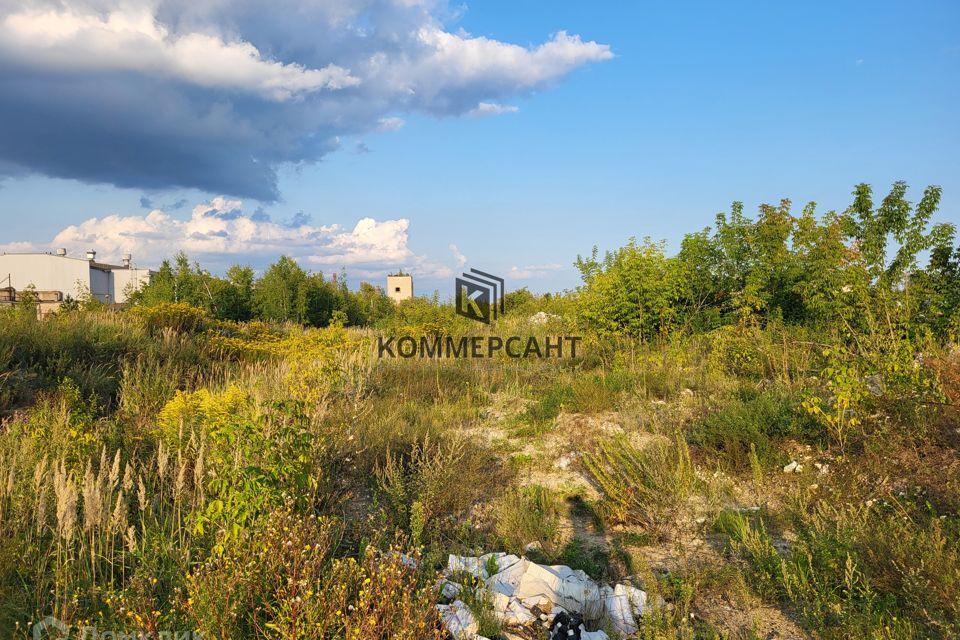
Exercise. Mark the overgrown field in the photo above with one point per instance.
(762, 431)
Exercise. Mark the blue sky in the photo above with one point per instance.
(699, 105)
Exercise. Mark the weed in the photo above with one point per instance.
(647, 487)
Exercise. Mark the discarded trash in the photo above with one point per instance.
(542, 317)
(567, 626)
(525, 594)
(621, 605)
(458, 620)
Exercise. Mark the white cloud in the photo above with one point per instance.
(130, 39)
(219, 232)
(390, 124)
(534, 271)
(492, 109)
(462, 59)
(218, 95)
(458, 255)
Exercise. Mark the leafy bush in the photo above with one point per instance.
(735, 351)
(753, 420)
(445, 478)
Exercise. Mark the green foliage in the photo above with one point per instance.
(645, 487)
(444, 479)
(857, 571)
(550, 403)
(751, 424)
(284, 293)
(85, 347)
(176, 316)
(526, 516)
(735, 350)
(633, 290)
(284, 580)
(851, 267)
(281, 457)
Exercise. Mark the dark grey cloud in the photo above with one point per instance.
(217, 96)
(148, 203)
(298, 219)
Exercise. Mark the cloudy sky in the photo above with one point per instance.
(376, 134)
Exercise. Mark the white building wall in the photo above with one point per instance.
(72, 276)
(126, 281)
(45, 273)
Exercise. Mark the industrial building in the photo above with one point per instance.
(55, 276)
(399, 286)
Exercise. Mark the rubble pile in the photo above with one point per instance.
(527, 595)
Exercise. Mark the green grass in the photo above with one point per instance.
(754, 419)
(403, 457)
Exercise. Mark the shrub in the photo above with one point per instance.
(174, 316)
(734, 350)
(645, 487)
(445, 478)
(753, 419)
(285, 581)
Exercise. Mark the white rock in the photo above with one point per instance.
(791, 467)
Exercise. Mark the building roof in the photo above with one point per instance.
(101, 266)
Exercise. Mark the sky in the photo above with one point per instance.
(372, 135)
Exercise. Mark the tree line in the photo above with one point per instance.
(285, 292)
(859, 269)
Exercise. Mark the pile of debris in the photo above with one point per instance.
(528, 595)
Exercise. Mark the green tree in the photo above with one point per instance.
(634, 290)
(233, 295)
(287, 292)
